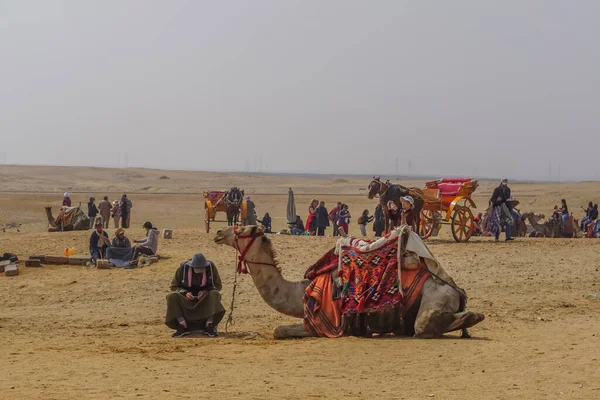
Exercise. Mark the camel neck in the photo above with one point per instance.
(282, 295)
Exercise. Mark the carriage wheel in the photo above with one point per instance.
(207, 220)
(427, 224)
(462, 224)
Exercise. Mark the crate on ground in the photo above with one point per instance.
(167, 234)
(33, 263)
(78, 259)
(102, 264)
(62, 260)
(11, 270)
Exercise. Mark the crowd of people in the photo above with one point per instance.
(119, 250)
(119, 211)
(339, 218)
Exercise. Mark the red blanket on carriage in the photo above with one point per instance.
(215, 195)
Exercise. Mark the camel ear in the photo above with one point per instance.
(254, 230)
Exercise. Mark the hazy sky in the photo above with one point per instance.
(453, 87)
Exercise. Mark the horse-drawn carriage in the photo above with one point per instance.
(449, 195)
(230, 202)
(452, 196)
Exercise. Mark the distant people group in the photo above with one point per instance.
(118, 210)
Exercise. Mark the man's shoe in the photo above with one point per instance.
(210, 331)
(509, 239)
(181, 332)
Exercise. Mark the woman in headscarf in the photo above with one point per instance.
(120, 240)
(120, 252)
(195, 301)
(66, 200)
(266, 223)
(379, 223)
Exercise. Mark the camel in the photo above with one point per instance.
(441, 309)
(551, 228)
(69, 219)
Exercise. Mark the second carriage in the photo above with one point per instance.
(451, 196)
(230, 202)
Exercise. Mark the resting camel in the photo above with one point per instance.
(551, 228)
(72, 220)
(441, 309)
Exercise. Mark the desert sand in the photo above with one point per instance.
(71, 332)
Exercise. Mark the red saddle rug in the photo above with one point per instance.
(364, 282)
(370, 278)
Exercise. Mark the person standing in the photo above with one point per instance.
(333, 217)
(251, 212)
(310, 220)
(363, 221)
(379, 223)
(105, 207)
(116, 212)
(408, 218)
(129, 207)
(322, 218)
(92, 212)
(344, 220)
(501, 213)
(393, 214)
(124, 206)
(66, 200)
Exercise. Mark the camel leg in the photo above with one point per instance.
(291, 331)
(437, 314)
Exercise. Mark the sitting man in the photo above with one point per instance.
(120, 240)
(298, 227)
(99, 242)
(120, 253)
(195, 301)
(149, 245)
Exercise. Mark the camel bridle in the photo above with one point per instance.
(242, 265)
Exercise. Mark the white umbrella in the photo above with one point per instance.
(291, 208)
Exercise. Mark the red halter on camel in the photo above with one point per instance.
(242, 266)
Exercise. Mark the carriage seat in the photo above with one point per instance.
(454, 180)
(449, 189)
(215, 195)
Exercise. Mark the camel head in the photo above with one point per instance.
(243, 235)
(375, 187)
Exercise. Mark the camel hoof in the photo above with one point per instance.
(465, 334)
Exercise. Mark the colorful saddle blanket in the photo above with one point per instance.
(369, 279)
(360, 276)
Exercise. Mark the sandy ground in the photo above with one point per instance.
(70, 332)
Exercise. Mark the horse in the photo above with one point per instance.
(388, 191)
(233, 205)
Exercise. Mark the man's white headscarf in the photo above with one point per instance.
(67, 195)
